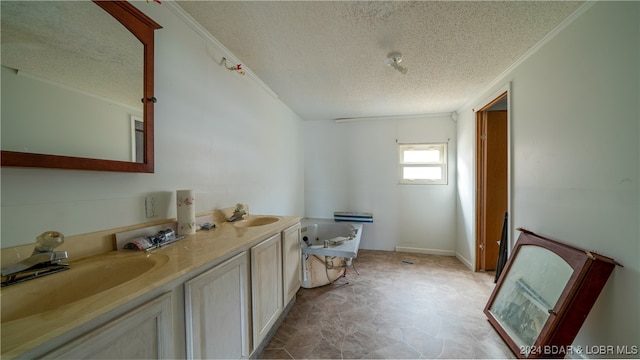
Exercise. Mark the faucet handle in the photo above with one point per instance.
(47, 241)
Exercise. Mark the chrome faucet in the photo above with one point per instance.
(43, 260)
(238, 213)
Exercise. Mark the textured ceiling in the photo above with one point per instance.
(326, 60)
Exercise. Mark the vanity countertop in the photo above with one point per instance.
(181, 260)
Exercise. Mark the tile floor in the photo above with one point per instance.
(392, 310)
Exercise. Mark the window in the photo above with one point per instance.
(422, 163)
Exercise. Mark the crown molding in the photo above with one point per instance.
(199, 29)
(563, 25)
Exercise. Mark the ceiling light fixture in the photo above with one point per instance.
(394, 59)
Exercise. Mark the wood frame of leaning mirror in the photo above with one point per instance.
(142, 27)
(541, 318)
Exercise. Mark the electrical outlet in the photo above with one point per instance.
(151, 206)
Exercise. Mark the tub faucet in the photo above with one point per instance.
(43, 260)
(238, 213)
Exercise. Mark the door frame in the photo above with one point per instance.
(484, 105)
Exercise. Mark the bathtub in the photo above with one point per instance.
(328, 248)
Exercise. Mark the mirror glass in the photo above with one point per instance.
(72, 81)
(529, 292)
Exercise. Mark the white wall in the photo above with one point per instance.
(59, 123)
(576, 157)
(216, 132)
(353, 167)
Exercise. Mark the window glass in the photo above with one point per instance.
(421, 156)
(422, 173)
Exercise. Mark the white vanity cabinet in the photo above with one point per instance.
(143, 333)
(222, 304)
(291, 262)
(266, 286)
(217, 311)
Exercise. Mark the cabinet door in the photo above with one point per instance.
(216, 311)
(291, 262)
(266, 286)
(143, 333)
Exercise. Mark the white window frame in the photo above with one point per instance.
(440, 164)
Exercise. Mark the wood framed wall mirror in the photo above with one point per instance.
(544, 295)
(77, 85)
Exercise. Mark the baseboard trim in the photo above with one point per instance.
(424, 251)
(465, 261)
